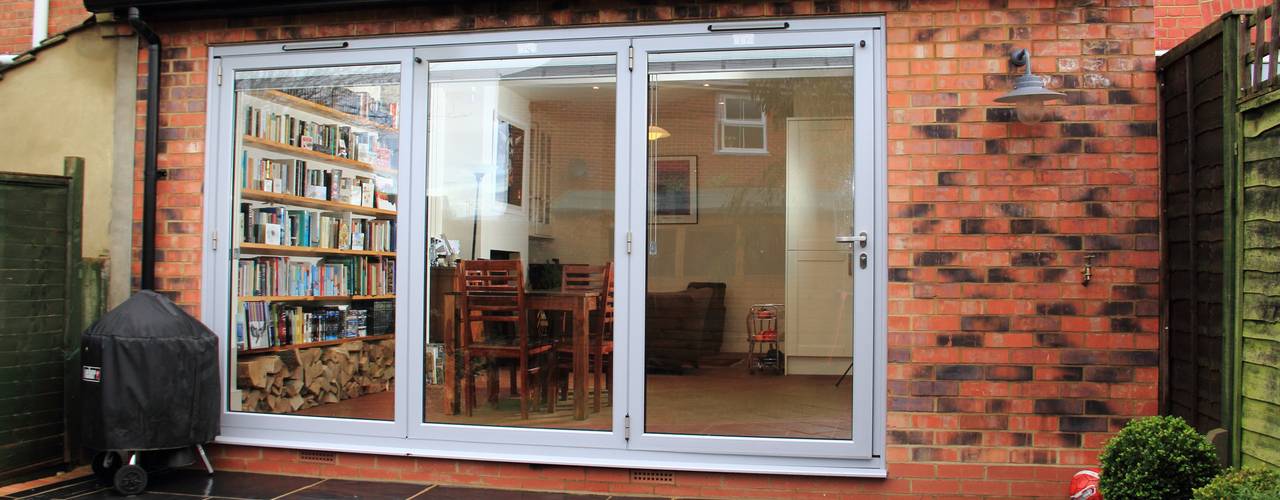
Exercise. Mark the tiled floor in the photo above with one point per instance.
(194, 484)
(711, 400)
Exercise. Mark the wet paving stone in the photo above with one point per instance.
(363, 490)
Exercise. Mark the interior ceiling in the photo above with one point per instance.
(544, 90)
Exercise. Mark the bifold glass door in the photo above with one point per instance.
(755, 331)
(653, 244)
(522, 202)
(310, 234)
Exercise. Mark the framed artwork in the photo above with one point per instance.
(675, 189)
(510, 144)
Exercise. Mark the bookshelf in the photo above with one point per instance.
(299, 201)
(298, 103)
(307, 154)
(266, 249)
(314, 178)
(322, 343)
(314, 298)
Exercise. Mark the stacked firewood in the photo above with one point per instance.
(296, 379)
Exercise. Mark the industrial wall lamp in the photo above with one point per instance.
(1028, 95)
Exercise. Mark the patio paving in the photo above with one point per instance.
(188, 484)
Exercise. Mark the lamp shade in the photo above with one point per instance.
(656, 132)
(1028, 97)
(1029, 88)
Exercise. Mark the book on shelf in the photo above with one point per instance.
(342, 141)
(297, 178)
(307, 228)
(261, 325)
(308, 277)
(355, 103)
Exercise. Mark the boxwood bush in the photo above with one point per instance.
(1156, 458)
(1249, 483)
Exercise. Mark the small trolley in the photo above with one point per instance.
(764, 339)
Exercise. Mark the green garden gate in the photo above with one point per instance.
(40, 316)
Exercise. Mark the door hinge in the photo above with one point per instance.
(219, 63)
(215, 240)
(626, 427)
(628, 242)
(631, 58)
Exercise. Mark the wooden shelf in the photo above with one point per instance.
(289, 199)
(282, 148)
(314, 298)
(265, 249)
(292, 101)
(308, 345)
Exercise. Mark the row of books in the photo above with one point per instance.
(296, 227)
(295, 177)
(328, 277)
(331, 139)
(351, 102)
(261, 325)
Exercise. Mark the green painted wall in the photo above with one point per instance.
(1260, 286)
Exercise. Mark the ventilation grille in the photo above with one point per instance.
(317, 457)
(653, 476)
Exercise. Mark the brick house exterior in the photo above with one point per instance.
(1005, 374)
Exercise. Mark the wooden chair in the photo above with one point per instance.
(590, 278)
(493, 294)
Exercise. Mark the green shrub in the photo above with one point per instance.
(1156, 458)
(1249, 483)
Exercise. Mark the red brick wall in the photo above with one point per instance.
(1005, 373)
(1177, 20)
(15, 21)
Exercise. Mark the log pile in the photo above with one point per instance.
(296, 379)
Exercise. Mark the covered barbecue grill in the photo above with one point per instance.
(149, 383)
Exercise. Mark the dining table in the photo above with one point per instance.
(578, 304)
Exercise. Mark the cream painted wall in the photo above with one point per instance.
(65, 104)
(61, 105)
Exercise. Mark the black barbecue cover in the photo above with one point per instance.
(149, 378)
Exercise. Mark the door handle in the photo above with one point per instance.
(861, 239)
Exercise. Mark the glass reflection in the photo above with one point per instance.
(749, 299)
(520, 217)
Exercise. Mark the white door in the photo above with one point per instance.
(753, 175)
(819, 204)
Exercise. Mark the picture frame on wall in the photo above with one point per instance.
(509, 142)
(675, 189)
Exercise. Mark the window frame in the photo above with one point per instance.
(723, 120)
(395, 438)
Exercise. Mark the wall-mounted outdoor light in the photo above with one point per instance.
(1028, 95)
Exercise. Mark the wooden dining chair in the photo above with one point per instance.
(492, 293)
(590, 278)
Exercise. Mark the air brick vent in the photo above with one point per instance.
(653, 476)
(317, 457)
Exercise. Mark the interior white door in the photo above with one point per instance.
(819, 208)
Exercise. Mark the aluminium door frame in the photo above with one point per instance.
(320, 433)
(220, 203)
(613, 438)
(867, 385)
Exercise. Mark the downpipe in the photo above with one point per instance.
(151, 139)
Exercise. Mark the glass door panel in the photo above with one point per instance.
(750, 180)
(313, 278)
(757, 315)
(520, 220)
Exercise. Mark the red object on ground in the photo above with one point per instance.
(1084, 485)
